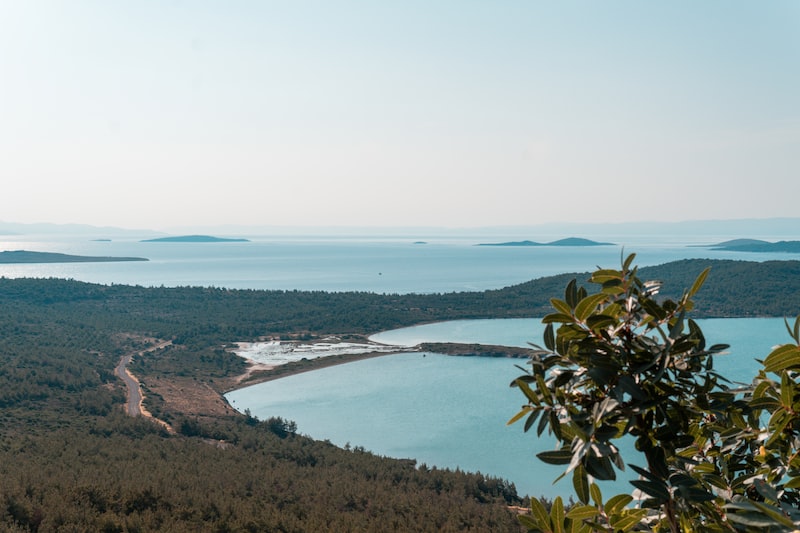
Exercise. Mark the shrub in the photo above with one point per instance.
(621, 363)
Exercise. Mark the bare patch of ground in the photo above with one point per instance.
(190, 397)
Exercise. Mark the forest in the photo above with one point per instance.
(70, 459)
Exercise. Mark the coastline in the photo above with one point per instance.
(258, 372)
(254, 376)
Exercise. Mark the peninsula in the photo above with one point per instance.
(25, 256)
(195, 238)
(757, 246)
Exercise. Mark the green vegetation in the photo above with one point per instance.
(71, 460)
(623, 363)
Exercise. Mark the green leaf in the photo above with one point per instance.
(549, 338)
(597, 322)
(696, 495)
(571, 294)
(531, 419)
(783, 358)
(546, 395)
(539, 514)
(605, 275)
(699, 282)
(555, 457)
(600, 467)
(774, 513)
(518, 416)
(654, 489)
(794, 333)
(793, 483)
(716, 481)
(586, 306)
(543, 421)
(528, 392)
(560, 306)
(582, 512)
(654, 309)
(766, 490)
(617, 503)
(787, 391)
(755, 520)
(628, 385)
(557, 515)
(626, 265)
(796, 336)
(625, 522)
(557, 317)
(780, 419)
(555, 425)
(765, 403)
(657, 460)
(597, 495)
(581, 484)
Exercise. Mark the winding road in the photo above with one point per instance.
(133, 406)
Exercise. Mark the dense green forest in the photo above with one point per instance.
(71, 460)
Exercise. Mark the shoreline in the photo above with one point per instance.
(271, 373)
(255, 376)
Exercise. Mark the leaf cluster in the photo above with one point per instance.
(624, 363)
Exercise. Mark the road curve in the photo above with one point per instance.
(133, 406)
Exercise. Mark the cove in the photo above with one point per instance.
(450, 411)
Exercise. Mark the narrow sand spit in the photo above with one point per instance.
(273, 353)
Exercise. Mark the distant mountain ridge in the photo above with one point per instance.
(569, 241)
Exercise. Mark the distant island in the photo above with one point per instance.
(570, 241)
(757, 246)
(194, 238)
(25, 256)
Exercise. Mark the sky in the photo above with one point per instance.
(446, 113)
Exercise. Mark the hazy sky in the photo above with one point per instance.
(155, 114)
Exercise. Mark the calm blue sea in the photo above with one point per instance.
(443, 411)
(376, 264)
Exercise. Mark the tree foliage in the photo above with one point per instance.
(623, 363)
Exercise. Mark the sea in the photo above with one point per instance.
(443, 411)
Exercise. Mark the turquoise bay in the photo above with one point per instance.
(452, 411)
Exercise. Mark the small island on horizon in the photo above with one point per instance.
(26, 256)
(569, 241)
(195, 238)
(755, 246)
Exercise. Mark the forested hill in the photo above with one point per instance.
(733, 289)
